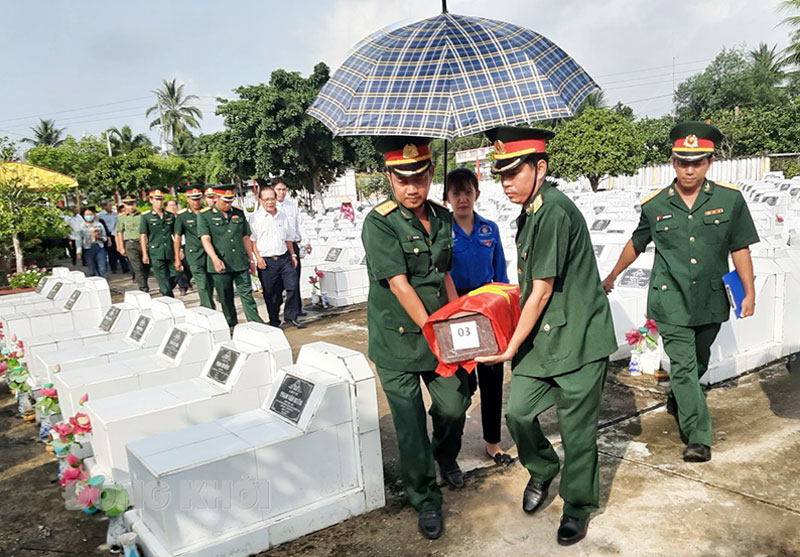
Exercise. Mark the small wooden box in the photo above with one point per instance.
(463, 336)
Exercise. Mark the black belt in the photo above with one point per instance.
(275, 257)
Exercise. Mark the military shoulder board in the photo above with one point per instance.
(146, 212)
(182, 211)
(386, 207)
(650, 196)
(205, 209)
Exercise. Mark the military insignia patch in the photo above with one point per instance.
(386, 207)
(410, 151)
(714, 212)
(664, 217)
(485, 230)
(499, 147)
(690, 141)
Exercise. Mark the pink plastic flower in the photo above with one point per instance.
(650, 325)
(20, 344)
(633, 336)
(318, 272)
(71, 475)
(14, 337)
(3, 366)
(88, 495)
(80, 423)
(63, 430)
(83, 399)
(73, 460)
(49, 391)
(780, 218)
(56, 368)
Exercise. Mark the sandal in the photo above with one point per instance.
(501, 458)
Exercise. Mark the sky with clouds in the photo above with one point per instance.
(92, 64)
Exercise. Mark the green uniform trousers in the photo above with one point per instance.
(224, 283)
(161, 270)
(689, 349)
(203, 282)
(450, 399)
(577, 398)
(133, 251)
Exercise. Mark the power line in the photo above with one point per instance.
(654, 68)
(690, 71)
(71, 110)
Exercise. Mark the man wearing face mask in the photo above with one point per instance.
(155, 237)
(695, 223)
(408, 243)
(92, 244)
(564, 336)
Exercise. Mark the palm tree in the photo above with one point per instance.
(173, 109)
(766, 67)
(123, 141)
(46, 133)
(792, 52)
(184, 143)
(595, 99)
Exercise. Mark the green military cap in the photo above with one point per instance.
(156, 193)
(512, 145)
(128, 198)
(193, 191)
(405, 155)
(226, 193)
(692, 141)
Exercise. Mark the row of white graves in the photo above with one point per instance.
(225, 445)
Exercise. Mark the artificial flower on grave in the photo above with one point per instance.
(314, 282)
(48, 403)
(64, 432)
(73, 472)
(88, 496)
(84, 399)
(17, 377)
(80, 423)
(641, 338)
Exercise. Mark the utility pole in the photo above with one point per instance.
(163, 128)
(108, 143)
(673, 84)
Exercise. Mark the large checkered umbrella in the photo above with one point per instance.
(449, 76)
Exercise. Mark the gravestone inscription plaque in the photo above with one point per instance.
(40, 285)
(139, 328)
(53, 291)
(72, 299)
(174, 343)
(333, 255)
(635, 278)
(292, 397)
(109, 318)
(222, 366)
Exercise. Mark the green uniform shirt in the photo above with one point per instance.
(396, 243)
(692, 247)
(129, 226)
(159, 233)
(575, 327)
(186, 224)
(227, 232)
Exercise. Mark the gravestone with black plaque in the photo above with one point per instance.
(635, 278)
(54, 291)
(222, 366)
(110, 318)
(291, 397)
(333, 255)
(598, 250)
(174, 343)
(70, 303)
(41, 284)
(600, 224)
(139, 328)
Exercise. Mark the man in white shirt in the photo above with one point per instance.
(289, 207)
(75, 222)
(276, 259)
(109, 218)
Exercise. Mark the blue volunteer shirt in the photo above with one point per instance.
(477, 257)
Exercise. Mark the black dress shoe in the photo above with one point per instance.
(572, 530)
(296, 323)
(697, 452)
(452, 474)
(183, 291)
(501, 458)
(534, 495)
(303, 313)
(431, 524)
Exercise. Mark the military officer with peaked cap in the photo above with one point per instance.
(155, 236)
(695, 223)
(225, 236)
(186, 225)
(560, 348)
(408, 243)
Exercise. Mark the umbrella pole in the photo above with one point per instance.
(444, 6)
(444, 179)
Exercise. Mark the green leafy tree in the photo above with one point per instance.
(725, 83)
(595, 99)
(124, 141)
(458, 144)
(767, 75)
(374, 183)
(792, 52)
(759, 130)
(598, 143)
(654, 133)
(28, 213)
(268, 132)
(76, 158)
(173, 109)
(46, 133)
(8, 150)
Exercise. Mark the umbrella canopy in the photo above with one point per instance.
(34, 177)
(449, 76)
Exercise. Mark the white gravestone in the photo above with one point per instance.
(236, 377)
(180, 355)
(308, 458)
(39, 293)
(143, 337)
(58, 292)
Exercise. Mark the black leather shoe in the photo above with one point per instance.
(572, 530)
(296, 323)
(534, 495)
(452, 474)
(431, 524)
(697, 452)
(303, 313)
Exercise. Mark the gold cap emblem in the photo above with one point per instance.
(499, 147)
(690, 141)
(410, 151)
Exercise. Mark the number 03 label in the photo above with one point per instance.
(465, 335)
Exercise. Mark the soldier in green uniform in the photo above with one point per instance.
(695, 223)
(225, 235)
(408, 243)
(155, 238)
(561, 345)
(196, 259)
(210, 197)
(128, 245)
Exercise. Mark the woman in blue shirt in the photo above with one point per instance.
(477, 260)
